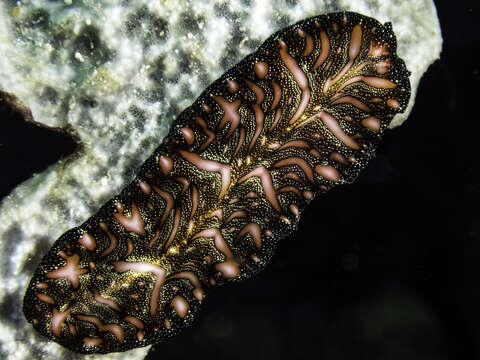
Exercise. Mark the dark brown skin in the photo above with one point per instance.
(302, 114)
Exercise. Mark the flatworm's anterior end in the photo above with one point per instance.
(301, 115)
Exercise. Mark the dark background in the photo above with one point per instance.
(386, 268)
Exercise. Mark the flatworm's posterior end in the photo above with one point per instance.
(89, 305)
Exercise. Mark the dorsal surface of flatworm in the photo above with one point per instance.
(302, 114)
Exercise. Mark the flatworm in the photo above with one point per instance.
(302, 114)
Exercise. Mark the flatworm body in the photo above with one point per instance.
(302, 114)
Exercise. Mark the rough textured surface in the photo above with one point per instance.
(115, 104)
(302, 114)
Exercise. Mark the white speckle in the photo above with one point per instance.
(79, 57)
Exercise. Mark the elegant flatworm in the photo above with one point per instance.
(302, 114)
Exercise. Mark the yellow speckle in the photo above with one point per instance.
(172, 250)
(244, 40)
(102, 82)
(248, 160)
(16, 11)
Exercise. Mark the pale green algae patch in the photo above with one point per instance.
(118, 73)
